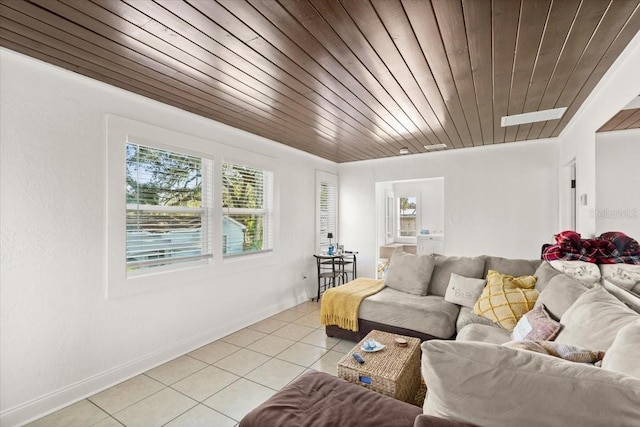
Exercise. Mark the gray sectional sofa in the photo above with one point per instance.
(413, 302)
(475, 373)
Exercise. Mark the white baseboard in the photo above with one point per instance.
(58, 399)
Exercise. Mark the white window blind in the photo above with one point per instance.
(169, 215)
(327, 213)
(247, 202)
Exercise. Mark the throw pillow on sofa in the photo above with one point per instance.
(493, 385)
(464, 291)
(505, 299)
(409, 273)
(594, 320)
(536, 325)
(445, 265)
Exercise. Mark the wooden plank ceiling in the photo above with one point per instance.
(342, 79)
(625, 119)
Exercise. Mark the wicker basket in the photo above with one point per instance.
(393, 371)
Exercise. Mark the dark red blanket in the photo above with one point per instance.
(613, 247)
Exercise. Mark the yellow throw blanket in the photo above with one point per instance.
(340, 305)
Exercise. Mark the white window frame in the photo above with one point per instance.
(322, 242)
(118, 131)
(267, 211)
(142, 267)
(406, 239)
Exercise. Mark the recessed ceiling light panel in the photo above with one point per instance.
(535, 116)
(404, 151)
(435, 147)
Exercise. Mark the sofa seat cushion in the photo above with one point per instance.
(493, 385)
(430, 314)
(317, 399)
(484, 333)
(468, 317)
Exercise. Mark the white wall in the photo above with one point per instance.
(618, 182)
(60, 338)
(498, 200)
(615, 90)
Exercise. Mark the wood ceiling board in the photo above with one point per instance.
(477, 18)
(557, 27)
(337, 91)
(314, 36)
(505, 19)
(377, 51)
(23, 44)
(395, 20)
(450, 20)
(395, 41)
(622, 40)
(312, 24)
(533, 17)
(632, 121)
(343, 79)
(624, 119)
(612, 22)
(184, 62)
(293, 90)
(237, 78)
(425, 26)
(584, 26)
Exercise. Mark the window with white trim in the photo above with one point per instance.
(168, 208)
(247, 207)
(326, 210)
(407, 216)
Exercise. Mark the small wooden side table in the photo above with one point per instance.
(393, 371)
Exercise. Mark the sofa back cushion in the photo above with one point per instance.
(623, 354)
(560, 294)
(493, 385)
(594, 320)
(512, 267)
(544, 273)
(409, 273)
(472, 267)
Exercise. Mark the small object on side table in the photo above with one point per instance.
(358, 358)
(401, 342)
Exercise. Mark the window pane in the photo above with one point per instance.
(168, 219)
(407, 216)
(247, 201)
(327, 213)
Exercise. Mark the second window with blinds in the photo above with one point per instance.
(247, 205)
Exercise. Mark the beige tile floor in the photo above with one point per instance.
(217, 384)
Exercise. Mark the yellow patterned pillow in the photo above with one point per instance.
(505, 299)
